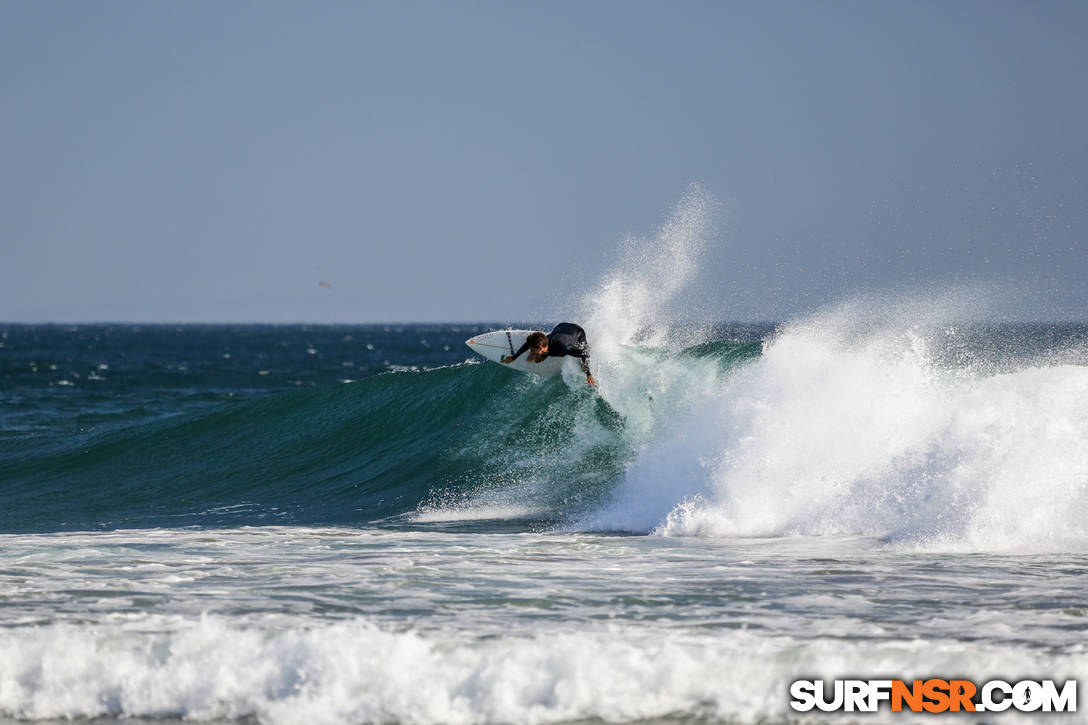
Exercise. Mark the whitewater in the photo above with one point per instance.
(365, 524)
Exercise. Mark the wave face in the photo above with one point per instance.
(174, 442)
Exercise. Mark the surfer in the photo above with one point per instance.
(566, 339)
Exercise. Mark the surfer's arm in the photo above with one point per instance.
(582, 353)
(516, 355)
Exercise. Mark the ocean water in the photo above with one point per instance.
(365, 524)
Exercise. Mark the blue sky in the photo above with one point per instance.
(449, 161)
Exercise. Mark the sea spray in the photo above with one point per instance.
(562, 447)
(636, 319)
(636, 300)
(542, 450)
(843, 428)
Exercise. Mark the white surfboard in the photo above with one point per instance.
(504, 343)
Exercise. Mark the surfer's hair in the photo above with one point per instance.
(536, 339)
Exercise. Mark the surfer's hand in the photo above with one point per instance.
(590, 381)
(507, 359)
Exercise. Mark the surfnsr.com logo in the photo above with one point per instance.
(934, 695)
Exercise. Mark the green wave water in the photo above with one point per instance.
(177, 432)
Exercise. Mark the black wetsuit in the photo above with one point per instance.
(566, 339)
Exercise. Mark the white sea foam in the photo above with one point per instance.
(854, 429)
(287, 624)
(353, 672)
